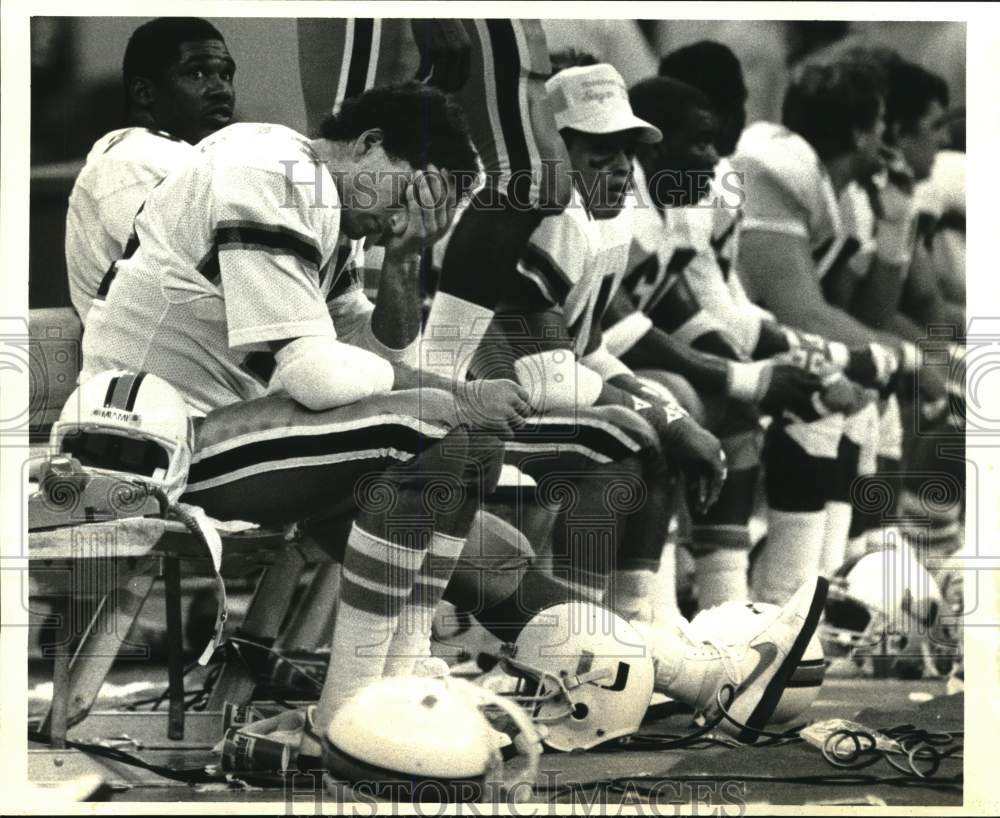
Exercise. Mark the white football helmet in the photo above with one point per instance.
(132, 426)
(881, 608)
(417, 738)
(738, 623)
(584, 673)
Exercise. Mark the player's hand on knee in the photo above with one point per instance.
(790, 388)
(430, 208)
(701, 459)
(786, 382)
(445, 53)
(498, 406)
(845, 396)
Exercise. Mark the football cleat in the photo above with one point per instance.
(737, 622)
(740, 685)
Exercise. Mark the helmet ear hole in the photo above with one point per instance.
(580, 711)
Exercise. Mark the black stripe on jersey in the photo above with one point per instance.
(537, 259)
(676, 307)
(130, 247)
(952, 220)
(112, 385)
(109, 277)
(337, 269)
(133, 391)
(361, 55)
(718, 242)
(268, 237)
(209, 266)
(678, 263)
(822, 250)
(507, 76)
(643, 273)
(283, 447)
(603, 297)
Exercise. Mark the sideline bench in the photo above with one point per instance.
(118, 561)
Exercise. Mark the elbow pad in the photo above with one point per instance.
(604, 363)
(323, 373)
(625, 334)
(555, 381)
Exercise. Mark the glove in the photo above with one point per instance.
(699, 455)
(840, 394)
(874, 366)
(786, 382)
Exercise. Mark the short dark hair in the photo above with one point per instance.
(571, 58)
(825, 104)
(910, 90)
(710, 67)
(662, 100)
(155, 45)
(418, 123)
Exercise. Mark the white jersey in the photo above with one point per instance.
(789, 191)
(121, 169)
(577, 263)
(675, 276)
(230, 257)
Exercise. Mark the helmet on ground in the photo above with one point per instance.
(418, 739)
(881, 607)
(585, 674)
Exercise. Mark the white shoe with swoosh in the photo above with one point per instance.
(693, 669)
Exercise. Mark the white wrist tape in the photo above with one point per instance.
(908, 354)
(624, 335)
(323, 373)
(886, 362)
(604, 363)
(554, 380)
(792, 337)
(840, 355)
(749, 381)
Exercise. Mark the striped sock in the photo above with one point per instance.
(376, 581)
(412, 639)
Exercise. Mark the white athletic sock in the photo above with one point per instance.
(376, 580)
(412, 640)
(838, 524)
(631, 594)
(790, 556)
(722, 577)
(665, 591)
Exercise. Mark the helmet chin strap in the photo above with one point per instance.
(521, 785)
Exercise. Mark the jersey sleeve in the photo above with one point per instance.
(555, 257)
(768, 204)
(268, 245)
(785, 189)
